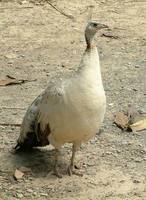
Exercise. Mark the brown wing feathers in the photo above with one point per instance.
(35, 139)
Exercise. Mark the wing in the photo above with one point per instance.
(30, 132)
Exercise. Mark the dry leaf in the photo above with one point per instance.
(6, 82)
(12, 81)
(130, 120)
(18, 174)
(139, 126)
(121, 120)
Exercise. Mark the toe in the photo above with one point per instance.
(56, 173)
(72, 171)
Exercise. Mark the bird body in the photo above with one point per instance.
(71, 109)
(75, 108)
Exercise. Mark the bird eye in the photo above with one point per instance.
(94, 25)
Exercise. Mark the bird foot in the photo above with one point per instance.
(71, 170)
(57, 173)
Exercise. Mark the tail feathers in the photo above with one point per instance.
(29, 142)
(35, 138)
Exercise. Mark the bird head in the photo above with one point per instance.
(91, 29)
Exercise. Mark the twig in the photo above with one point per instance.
(14, 81)
(4, 107)
(118, 28)
(9, 76)
(8, 124)
(7, 8)
(109, 35)
(25, 80)
(60, 11)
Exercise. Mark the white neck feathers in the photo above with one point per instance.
(90, 66)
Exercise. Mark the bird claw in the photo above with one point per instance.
(56, 173)
(71, 170)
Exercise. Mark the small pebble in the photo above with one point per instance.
(24, 2)
(140, 145)
(29, 190)
(118, 151)
(19, 195)
(138, 160)
(35, 193)
(142, 111)
(136, 66)
(111, 104)
(136, 181)
(108, 153)
(44, 194)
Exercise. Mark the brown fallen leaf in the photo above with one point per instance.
(139, 126)
(6, 82)
(13, 81)
(18, 174)
(121, 120)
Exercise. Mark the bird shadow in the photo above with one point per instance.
(39, 161)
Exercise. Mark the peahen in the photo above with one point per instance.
(71, 109)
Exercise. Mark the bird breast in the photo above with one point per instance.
(76, 114)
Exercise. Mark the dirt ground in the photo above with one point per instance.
(36, 41)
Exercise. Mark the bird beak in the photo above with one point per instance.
(101, 26)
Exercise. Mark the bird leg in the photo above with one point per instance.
(71, 167)
(56, 172)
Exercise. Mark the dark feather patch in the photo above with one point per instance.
(38, 138)
(29, 142)
(43, 135)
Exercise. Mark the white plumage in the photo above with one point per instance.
(71, 109)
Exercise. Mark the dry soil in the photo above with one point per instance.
(37, 41)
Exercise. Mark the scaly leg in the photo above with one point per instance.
(56, 172)
(71, 169)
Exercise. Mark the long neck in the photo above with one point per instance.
(89, 41)
(90, 66)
